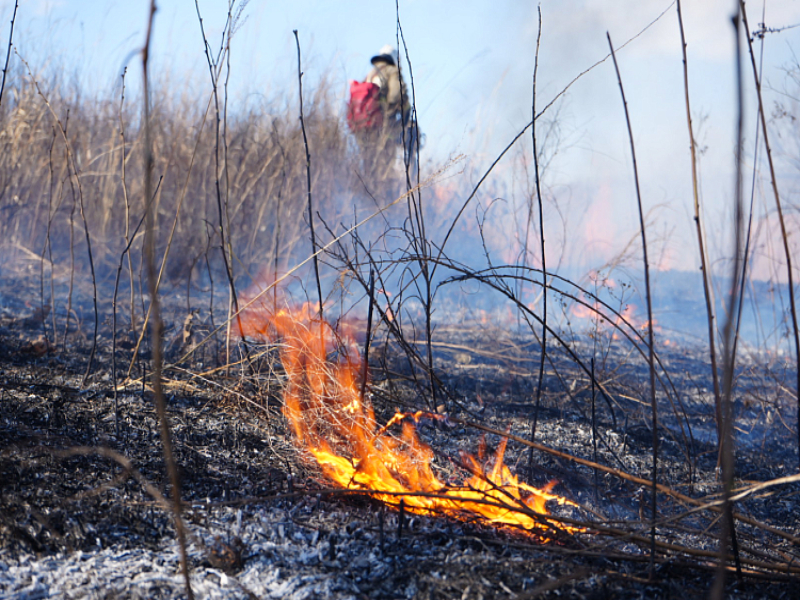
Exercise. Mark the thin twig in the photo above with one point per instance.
(784, 231)
(119, 269)
(651, 343)
(214, 69)
(594, 432)
(408, 121)
(8, 52)
(308, 176)
(124, 185)
(125, 251)
(543, 350)
(510, 145)
(155, 326)
(748, 237)
(710, 316)
(416, 217)
(72, 164)
(371, 300)
(171, 237)
(48, 240)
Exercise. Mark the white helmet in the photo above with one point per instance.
(386, 54)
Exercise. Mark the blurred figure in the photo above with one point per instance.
(393, 95)
(379, 112)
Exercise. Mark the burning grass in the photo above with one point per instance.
(332, 420)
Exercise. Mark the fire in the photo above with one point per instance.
(627, 316)
(331, 420)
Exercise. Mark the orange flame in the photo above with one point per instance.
(627, 316)
(330, 419)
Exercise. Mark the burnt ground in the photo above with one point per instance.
(264, 523)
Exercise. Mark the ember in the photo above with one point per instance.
(331, 420)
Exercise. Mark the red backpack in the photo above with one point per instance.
(364, 109)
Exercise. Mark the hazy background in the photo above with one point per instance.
(472, 66)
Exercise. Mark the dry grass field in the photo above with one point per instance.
(243, 355)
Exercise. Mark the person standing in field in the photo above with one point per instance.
(393, 96)
(380, 110)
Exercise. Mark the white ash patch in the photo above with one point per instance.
(287, 555)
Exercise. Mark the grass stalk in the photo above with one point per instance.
(214, 69)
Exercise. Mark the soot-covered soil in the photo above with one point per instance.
(75, 522)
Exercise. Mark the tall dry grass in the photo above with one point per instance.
(262, 175)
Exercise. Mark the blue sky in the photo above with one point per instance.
(472, 64)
